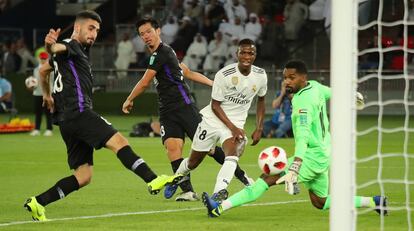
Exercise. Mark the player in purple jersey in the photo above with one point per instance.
(178, 114)
(81, 128)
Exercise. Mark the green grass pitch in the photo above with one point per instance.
(117, 200)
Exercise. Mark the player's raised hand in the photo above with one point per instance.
(283, 88)
(238, 134)
(291, 178)
(51, 37)
(49, 103)
(127, 106)
(360, 102)
(256, 136)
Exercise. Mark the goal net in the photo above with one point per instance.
(372, 47)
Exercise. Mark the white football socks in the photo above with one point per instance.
(226, 173)
(183, 168)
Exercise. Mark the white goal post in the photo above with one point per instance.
(344, 56)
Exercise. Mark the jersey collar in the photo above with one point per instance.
(307, 87)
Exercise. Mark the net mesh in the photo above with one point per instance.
(385, 149)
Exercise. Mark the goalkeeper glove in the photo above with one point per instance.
(291, 178)
(360, 102)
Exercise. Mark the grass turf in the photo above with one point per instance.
(120, 201)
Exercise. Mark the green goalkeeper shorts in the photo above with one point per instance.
(315, 179)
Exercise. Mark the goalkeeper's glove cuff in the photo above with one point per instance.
(295, 166)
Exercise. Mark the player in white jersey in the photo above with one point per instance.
(223, 121)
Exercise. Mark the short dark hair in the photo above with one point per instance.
(299, 65)
(246, 42)
(154, 23)
(89, 14)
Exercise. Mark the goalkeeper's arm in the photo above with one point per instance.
(360, 102)
(291, 177)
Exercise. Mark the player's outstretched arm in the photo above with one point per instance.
(51, 44)
(360, 101)
(291, 178)
(195, 76)
(44, 72)
(139, 88)
(260, 113)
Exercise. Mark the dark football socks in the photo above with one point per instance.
(186, 185)
(61, 189)
(135, 163)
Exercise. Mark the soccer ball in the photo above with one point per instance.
(272, 160)
(31, 82)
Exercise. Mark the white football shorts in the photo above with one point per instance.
(207, 137)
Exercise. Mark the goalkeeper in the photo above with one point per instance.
(310, 163)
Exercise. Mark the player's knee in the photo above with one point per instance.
(193, 163)
(317, 203)
(116, 142)
(121, 140)
(83, 175)
(173, 150)
(85, 181)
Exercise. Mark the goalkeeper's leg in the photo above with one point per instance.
(249, 194)
(318, 193)
(378, 203)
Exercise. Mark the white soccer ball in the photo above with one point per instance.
(31, 82)
(272, 160)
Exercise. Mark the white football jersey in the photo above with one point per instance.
(235, 91)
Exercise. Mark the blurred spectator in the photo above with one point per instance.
(11, 60)
(327, 16)
(231, 54)
(185, 36)
(195, 12)
(39, 50)
(126, 54)
(39, 109)
(217, 49)
(176, 8)
(196, 53)
(364, 12)
(316, 10)
(234, 10)
(253, 28)
(169, 30)
(140, 51)
(4, 5)
(295, 14)
(316, 16)
(6, 101)
(215, 13)
(410, 17)
(230, 30)
(207, 29)
(281, 122)
(25, 56)
(370, 60)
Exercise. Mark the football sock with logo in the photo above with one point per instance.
(246, 195)
(136, 164)
(359, 202)
(226, 173)
(186, 185)
(183, 168)
(61, 189)
(219, 158)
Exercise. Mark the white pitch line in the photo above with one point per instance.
(137, 213)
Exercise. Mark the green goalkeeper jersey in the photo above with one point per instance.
(311, 125)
